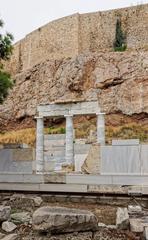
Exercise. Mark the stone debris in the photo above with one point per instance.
(22, 217)
(122, 218)
(134, 209)
(1, 235)
(37, 201)
(63, 220)
(4, 213)
(92, 161)
(101, 224)
(10, 237)
(8, 226)
(145, 233)
(136, 225)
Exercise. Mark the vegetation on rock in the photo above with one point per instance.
(120, 38)
(5, 53)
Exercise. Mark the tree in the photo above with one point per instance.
(5, 53)
(120, 38)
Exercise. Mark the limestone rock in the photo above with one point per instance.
(22, 217)
(37, 201)
(10, 237)
(146, 233)
(2, 235)
(8, 226)
(136, 225)
(134, 209)
(92, 161)
(4, 213)
(118, 80)
(122, 218)
(60, 220)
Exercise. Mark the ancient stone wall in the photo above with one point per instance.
(75, 34)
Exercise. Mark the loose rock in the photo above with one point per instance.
(146, 233)
(10, 237)
(8, 226)
(1, 235)
(4, 213)
(122, 219)
(134, 209)
(136, 226)
(62, 220)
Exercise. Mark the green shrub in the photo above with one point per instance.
(120, 38)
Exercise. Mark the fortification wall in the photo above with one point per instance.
(75, 34)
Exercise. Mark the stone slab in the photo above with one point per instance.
(68, 109)
(22, 154)
(125, 142)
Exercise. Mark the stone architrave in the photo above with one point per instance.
(101, 128)
(63, 220)
(40, 145)
(69, 152)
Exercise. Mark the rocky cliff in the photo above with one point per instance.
(118, 80)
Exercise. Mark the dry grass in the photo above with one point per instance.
(21, 136)
(127, 131)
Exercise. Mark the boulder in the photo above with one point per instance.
(63, 220)
(122, 218)
(22, 217)
(8, 226)
(4, 213)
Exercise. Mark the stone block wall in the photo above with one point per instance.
(76, 34)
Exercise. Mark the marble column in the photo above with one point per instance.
(39, 145)
(69, 152)
(101, 128)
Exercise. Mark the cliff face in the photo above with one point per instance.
(118, 80)
(80, 33)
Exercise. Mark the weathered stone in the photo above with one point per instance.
(10, 237)
(92, 161)
(122, 218)
(37, 201)
(134, 209)
(2, 235)
(146, 233)
(4, 213)
(60, 220)
(80, 77)
(21, 217)
(136, 225)
(101, 224)
(8, 226)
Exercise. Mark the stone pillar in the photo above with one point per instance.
(39, 145)
(69, 153)
(101, 128)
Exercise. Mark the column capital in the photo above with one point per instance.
(100, 113)
(38, 117)
(68, 115)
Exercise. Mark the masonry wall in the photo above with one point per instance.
(75, 34)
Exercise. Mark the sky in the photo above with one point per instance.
(23, 16)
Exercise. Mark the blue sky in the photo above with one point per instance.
(23, 16)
